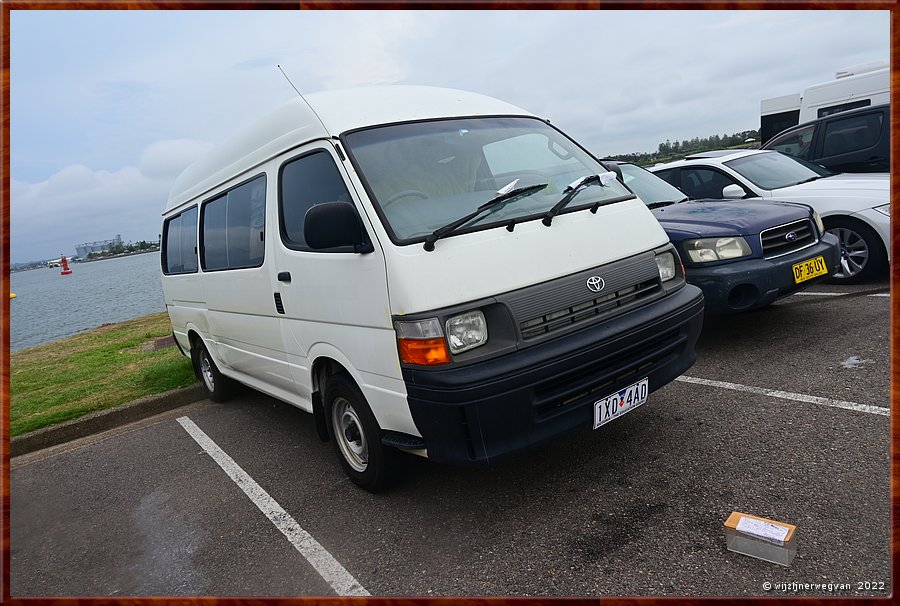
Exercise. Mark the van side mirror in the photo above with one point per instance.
(612, 166)
(335, 224)
(733, 192)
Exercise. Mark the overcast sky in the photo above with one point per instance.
(107, 107)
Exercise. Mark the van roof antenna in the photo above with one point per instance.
(301, 96)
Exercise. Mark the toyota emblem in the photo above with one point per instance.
(791, 236)
(595, 283)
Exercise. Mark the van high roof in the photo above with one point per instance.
(294, 124)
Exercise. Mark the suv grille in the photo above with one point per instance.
(775, 241)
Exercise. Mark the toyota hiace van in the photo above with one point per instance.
(426, 270)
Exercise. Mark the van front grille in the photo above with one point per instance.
(788, 238)
(550, 309)
(602, 305)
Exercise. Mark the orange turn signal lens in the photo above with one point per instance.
(425, 352)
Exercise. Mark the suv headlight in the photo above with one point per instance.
(819, 224)
(716, 249)
(466, 331)
(884, 209)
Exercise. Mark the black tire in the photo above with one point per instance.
(218, 387)
(862, 251)
(356, 435)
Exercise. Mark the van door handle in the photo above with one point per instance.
(284, 276)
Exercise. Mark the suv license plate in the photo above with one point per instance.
(617, 404)
(809, 269)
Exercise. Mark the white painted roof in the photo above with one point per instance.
(293, 124)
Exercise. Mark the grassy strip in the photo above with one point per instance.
(93, 370)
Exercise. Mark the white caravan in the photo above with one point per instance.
(852, 88)
(426, 270)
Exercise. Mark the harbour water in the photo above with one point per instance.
(49, 306)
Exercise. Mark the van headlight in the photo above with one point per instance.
(819, 225)
(466, 331)
(705, 250)
(665, 263)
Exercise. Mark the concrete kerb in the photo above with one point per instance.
(103, 420)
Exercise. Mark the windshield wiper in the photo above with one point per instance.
(808, 180)
(504, 196)
(660, 203)
(572, 189)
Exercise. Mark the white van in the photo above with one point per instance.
(423, 269)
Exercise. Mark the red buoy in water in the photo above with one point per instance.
(65, 266)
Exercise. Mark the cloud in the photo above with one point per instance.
(166, 159)
(369, 56)
(79, 204)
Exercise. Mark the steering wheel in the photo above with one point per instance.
(404, 194)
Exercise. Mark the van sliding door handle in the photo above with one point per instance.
(284, 276)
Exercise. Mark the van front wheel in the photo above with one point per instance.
(218, 387)
(356, 434)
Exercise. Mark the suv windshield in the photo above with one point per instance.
(425, 175)
(648, 187)
(771, 170)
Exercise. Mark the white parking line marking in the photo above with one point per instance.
(786, 395)
(881, 294)
(330, 569)
(819, 294)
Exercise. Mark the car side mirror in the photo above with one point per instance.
(733, 192)
(335, 224)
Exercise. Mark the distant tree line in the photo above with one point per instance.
(122, 249)
(669, 150)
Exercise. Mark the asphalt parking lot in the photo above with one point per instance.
(784, 415)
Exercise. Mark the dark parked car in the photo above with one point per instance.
(854, 141)
(743, 256)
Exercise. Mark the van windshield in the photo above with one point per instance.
(425, 175)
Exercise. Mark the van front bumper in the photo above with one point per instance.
(479, 412)
(753, 283)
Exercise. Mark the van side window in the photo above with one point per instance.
(835, 109)
(851, 134)
(179, 254)
(306, 181)
(233, 227)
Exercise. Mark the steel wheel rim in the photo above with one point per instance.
(854, 252)
(348, 431)
(206, 371)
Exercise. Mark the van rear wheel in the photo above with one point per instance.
(219, 388)
(356, 434)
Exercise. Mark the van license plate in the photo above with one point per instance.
(617, 404)
(809, 269)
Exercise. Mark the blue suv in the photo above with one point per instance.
(743, 256)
